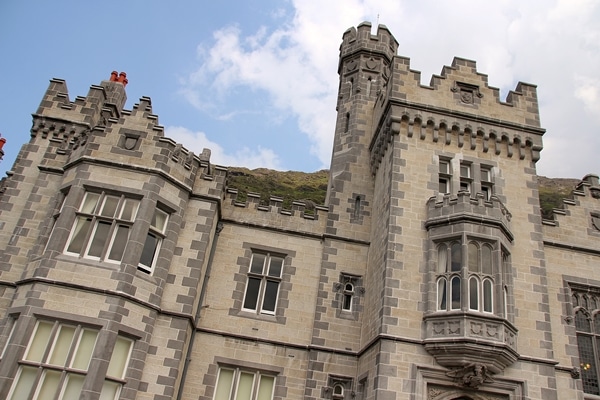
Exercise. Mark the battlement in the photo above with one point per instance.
(448, 209)
(251, 211)
(586, 191)
(360, 38)
(577, 224)
(461, 89)
(96, 128)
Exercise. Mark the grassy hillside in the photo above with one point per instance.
(312, 187)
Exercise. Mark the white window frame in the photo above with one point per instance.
(41, 362)
(158, 232)
(234, 386)
(445, 175)
(348, 296)
(265, 277)
(96, 218)
(466, 179)
(487, 185)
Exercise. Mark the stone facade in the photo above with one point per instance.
(129, 270)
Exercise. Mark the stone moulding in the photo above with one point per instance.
(457, 339)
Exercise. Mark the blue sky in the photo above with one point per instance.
(255, 81)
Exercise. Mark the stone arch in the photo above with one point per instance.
(461, 395)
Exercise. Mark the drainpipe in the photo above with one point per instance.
(200, 301)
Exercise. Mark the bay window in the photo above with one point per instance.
(56, 362)
(102, 226)
(475, 273)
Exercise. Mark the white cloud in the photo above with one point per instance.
(551, 44)
(245, 157)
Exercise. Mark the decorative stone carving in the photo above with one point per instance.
(352, 64)
(467, 92)
(371, 64)
(470, 339)
(472, 375)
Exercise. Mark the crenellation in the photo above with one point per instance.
(428, 272)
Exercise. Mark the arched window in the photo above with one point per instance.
(348, 295)
(477, 272)
(338, 391)
(587, 343)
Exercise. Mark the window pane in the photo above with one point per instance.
(129, 209)
(486, 256)
(62, 344)
(581, 322)
(265, 389)
(84, 350)
(252, 293)
(49, 384)
(120, 358)
(39, 342)
(99, 239)
(119, 242)
(159, 220)
(244, 390)
(589, 377)
(444, 187)
(80, 231)
(455, 251)
(258, 261)
(465, 171)
(444, 167)
(110, 390)
(486, 175)
(487, 295)
(24, 383)
(455, 293)
(270, 296)
(223, 390)
(73, 387)
(275, 266)
(473, 294)
(149, 250)
(473, 257)
(110, 206)
(442, 258)
(89, 203)
(347, 302)
(441, 294)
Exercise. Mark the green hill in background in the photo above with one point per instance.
(311, 187)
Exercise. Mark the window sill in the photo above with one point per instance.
(260, 317)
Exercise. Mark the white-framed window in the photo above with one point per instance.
(117, 367)
(477, 270)
(466, 179)
(339, 388)
(348, 296)
(445, 176)
(487, 183)
(102, 226)
(239, 384)
(153, 241)
(57, 359)
(262, 286)
(338, 391)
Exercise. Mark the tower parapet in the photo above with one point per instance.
(359, 39)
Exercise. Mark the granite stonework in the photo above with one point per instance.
(367, 303)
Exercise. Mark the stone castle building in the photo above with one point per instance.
(129, 270)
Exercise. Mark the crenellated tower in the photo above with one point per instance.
(439, 184)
